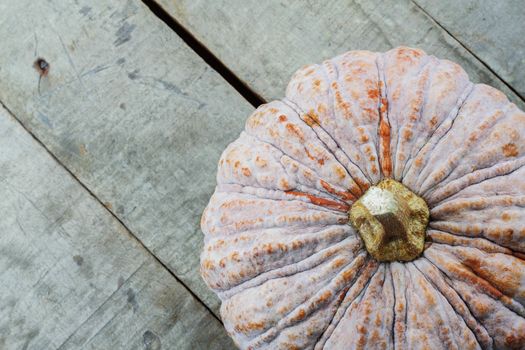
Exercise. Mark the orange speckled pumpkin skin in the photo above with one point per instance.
(291, 271)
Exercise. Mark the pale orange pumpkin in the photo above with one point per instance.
(294, 272)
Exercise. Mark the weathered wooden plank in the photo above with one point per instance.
(132, 111)
(71, 276)
(150, 311)
(265, 42)
(493, 30)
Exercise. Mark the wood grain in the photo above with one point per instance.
(265, 43)
(132, 111)
(492, 30)
(72, 276)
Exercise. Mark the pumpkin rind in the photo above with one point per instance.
(291, 271)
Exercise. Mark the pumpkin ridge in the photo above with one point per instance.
(329, 189)
(236, 151)
(400, 304)
(266, 330)
(465, 274)
(269, 130)
(484, 266)
(365, 273)
(332, 98)
(513, 332)
(393, 330)
(438, 236)
(254, 231)
(307, 204)
(474, 309)
(430, 105)
(333, 101)
(444, 336)
(302, 311)
(399, 167)
(312, 261)
(408, 285)
(393, 58)
(356, 296)
(476, 129)
(372, 317)
(494, 168)
(340, 301)
(446, 226)
(437, 277)
(477, 203)
(290, 196)
(466, 147)
(353, 125)
(295, 160)
(384, 126)
(276, 225)
(474, 176)
(321, 202)
(214, 225)
(421, 113)
(281, 150)
(247, 161)
(424, 151)
(421, 178)
(470, 265)
(410, 156)
(302, 193)
(319, 343)
(355, 168)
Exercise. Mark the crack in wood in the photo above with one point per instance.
(203, 52)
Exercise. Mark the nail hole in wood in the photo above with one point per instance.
(42, 66)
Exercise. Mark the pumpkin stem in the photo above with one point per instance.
(392, 221)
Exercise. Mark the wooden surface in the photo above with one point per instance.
(108, 156)
(492, 30)
(285, 35)
(71, 275)
(135, 115)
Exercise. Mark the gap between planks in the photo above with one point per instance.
(140, 243)
(203, 52)
(468, 50)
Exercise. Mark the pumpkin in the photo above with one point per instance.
(380, 205)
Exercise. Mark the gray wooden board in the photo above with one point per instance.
(132, 111)
(71, 276)
(493, 30)
(264, 42)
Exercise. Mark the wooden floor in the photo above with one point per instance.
(113, 116)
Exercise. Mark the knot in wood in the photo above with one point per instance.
(391, 221)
